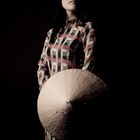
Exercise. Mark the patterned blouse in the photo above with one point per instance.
(73, 48)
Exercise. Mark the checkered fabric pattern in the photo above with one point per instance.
(73, 48)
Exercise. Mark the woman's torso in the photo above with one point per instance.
(68, 49)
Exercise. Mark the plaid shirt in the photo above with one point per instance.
(73, 48)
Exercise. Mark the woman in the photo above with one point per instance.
(69, 44)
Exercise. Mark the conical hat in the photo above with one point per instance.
(59, 95)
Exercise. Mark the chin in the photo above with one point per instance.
(72, 7)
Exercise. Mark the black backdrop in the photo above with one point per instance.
(23, 29)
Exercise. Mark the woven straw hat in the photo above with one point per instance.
(63, 94)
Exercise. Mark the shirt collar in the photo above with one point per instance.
(71, 21)
(74, 20)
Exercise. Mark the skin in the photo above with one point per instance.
(70, 7)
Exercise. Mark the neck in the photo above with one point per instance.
(71, 14)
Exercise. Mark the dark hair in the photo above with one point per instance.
(59, 18)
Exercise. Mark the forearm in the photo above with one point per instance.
(42, 75)
(89, 50)
(43, 70)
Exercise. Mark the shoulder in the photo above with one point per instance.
(49, 32)
(48, 35)
(89, 25)
(86, 26)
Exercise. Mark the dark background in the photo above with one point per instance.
(23, 28)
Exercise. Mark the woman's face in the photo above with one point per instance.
(69, 5)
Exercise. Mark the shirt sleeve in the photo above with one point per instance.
(90, 40)
(43, 69)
